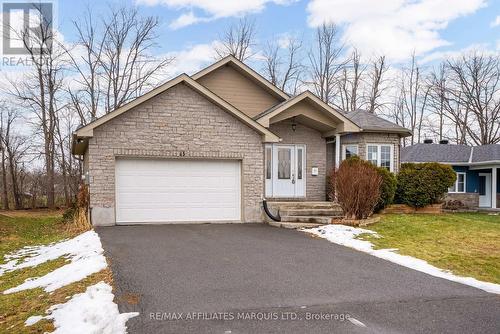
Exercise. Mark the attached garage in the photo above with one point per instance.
(179, 153)
(177, 190)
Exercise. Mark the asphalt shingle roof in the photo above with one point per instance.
(371, 122)
(450, 153)
(486, 153)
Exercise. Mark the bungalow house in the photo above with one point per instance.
(477, 168)
(210, 147)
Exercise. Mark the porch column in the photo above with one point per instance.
(494, 187)
(337, 151)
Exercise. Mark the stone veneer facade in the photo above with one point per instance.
(177, 124)
(470, 200)
(315, 155)
(362, 139)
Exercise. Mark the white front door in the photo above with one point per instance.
(485, 190)
(287, 166)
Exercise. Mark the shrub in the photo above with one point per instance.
(387, 188)
(76, 215)
(423, 184)
(357, 187)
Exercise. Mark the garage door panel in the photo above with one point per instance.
(132, 200)
(178, 184)
(177, 190)
(178, 215)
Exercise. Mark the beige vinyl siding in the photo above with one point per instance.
(313, 116)
(240, 91)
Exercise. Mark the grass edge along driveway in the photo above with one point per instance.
(27, 228)
(467, 244)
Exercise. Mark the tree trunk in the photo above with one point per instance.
(5, 195)
(15, 187)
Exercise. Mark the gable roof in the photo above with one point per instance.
(247, 71)
(347, 124)
(370, 122)
(87, 130)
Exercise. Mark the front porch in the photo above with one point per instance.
(488, 186)
(296, 168)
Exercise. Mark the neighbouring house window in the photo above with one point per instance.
(459, 186)
(284, 163)
(299, 164)
(380, 155)
(269, 160)
(350, 151)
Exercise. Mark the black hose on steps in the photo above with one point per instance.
(269, 214)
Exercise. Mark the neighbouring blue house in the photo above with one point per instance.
(477, 168)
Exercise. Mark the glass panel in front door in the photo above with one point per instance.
(284, 163)
(299, 163)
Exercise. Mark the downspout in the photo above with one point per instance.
(268, 212)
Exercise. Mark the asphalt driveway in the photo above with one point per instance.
(252, 278)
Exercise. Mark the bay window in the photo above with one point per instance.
(380, 155)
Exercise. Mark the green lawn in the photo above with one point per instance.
(23, 228)
(468, 244)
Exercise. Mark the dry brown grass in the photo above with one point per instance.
(80, 222)
(35, 213)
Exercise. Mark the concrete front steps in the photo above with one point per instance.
(304, 214)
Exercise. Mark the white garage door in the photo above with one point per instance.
(161, 191)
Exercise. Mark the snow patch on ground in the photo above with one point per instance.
(90, 312)
(84, 253)
(346, 236)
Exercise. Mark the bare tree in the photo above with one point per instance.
(39, 89)
(283, 68)
(326, 62)
(15, 150)
(237, 40)
(128, 68)
(5, 191)
(87, 98)
(413, 95)
(376, 83)
(349, 83)
(443, 111)
(475, 87)
(35, 183)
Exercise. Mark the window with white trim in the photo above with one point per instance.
(381, 155)
(459, 186)
(349, 151)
